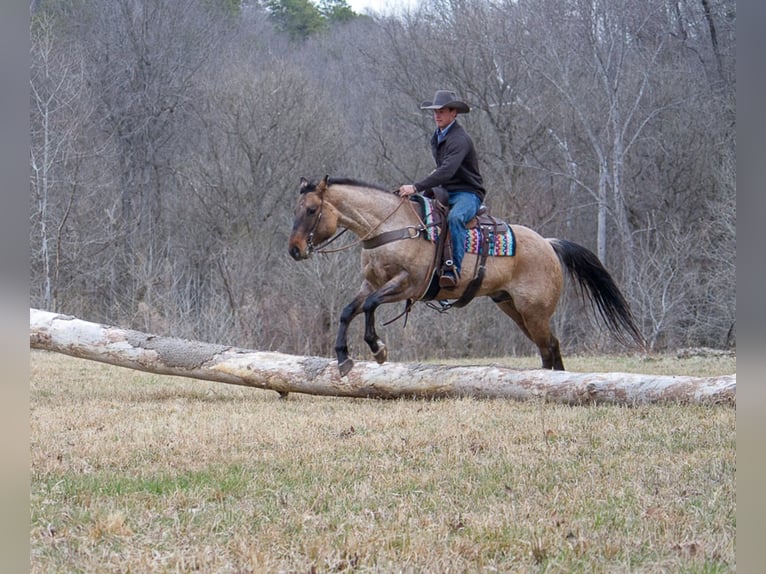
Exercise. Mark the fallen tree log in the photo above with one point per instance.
(319, 376)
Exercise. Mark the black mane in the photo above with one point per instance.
(355, 182)
(311, 186)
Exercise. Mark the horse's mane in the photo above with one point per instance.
(346, 181)
(356, 183)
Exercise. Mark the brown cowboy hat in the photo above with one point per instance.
(446, 99)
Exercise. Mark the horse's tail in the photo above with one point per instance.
(596, 284)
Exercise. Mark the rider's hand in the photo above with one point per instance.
(406, 190)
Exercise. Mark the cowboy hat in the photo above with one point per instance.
(446, 99)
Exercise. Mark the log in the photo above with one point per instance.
(285, 373)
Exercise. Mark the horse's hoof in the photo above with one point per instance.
(382, 353)
(345, 367)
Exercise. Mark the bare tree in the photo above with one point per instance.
(62, 184)
(602, 59)
(266, 126)
(49, 83)
(141, 59)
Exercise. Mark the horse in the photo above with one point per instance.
(526, 286)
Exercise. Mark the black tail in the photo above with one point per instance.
(596, 284)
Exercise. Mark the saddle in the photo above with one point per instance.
(442, 263)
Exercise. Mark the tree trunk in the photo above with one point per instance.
(319, 376)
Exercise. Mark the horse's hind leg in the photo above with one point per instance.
(536, 326)
(552, 357)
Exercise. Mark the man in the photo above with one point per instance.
(457, 171)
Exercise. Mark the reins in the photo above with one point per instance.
(323, 247)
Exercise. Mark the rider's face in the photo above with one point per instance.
(444, 117)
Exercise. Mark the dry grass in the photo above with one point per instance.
(133, 472)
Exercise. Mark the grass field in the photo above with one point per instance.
(134, 472)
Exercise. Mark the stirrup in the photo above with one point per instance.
(448, 281)
(449, 278)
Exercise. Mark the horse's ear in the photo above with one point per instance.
(323, 184)
(304, 183)
(326, 179)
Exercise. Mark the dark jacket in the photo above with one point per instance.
(457, 166)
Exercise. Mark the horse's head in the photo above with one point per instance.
(315, 220)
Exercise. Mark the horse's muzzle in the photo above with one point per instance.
(297, 254)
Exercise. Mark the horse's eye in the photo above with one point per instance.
(311, 211)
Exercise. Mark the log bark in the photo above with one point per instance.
(319, 376)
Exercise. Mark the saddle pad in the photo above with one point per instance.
(502, 242)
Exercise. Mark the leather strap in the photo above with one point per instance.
(481, 266)
(391, 236)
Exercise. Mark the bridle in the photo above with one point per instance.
(322, 248)
(310, 238)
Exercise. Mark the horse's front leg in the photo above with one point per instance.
(393, 290)
(345, 363)
(377, 346)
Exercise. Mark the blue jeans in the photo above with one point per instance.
(463, 207)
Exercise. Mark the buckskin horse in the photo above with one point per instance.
(526, 286)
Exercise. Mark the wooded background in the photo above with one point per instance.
(169, 136)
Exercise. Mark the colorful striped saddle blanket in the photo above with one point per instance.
(502, 242)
